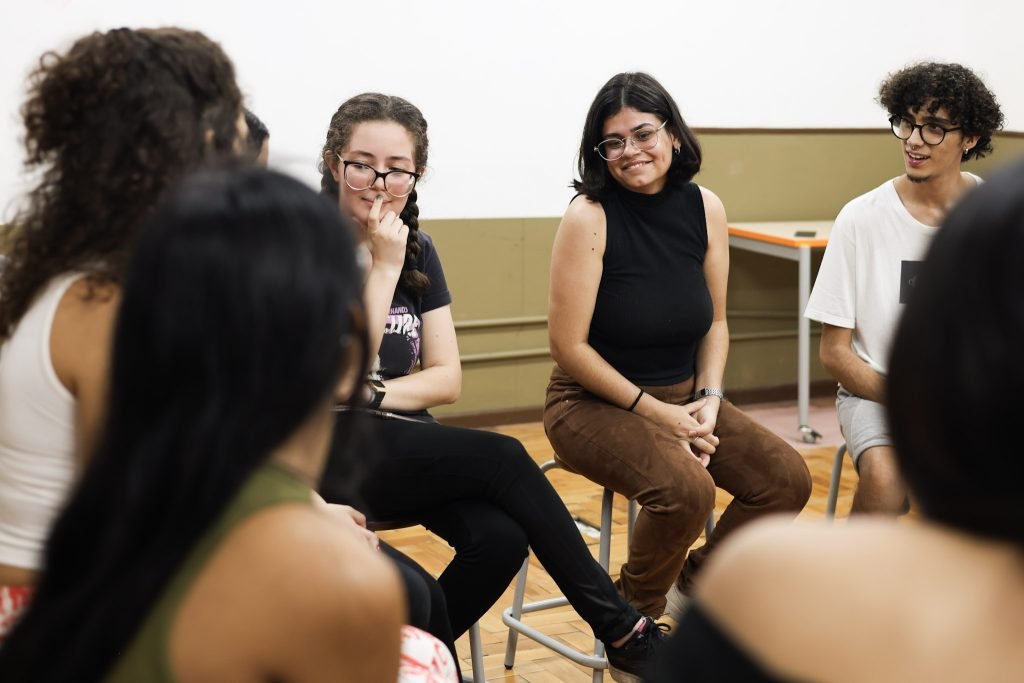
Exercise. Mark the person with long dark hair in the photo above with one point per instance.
(936, 601)
(636, 321)
(110, 124)
(480, 491)
(191, 548)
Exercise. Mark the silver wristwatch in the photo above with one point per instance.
(704, 392)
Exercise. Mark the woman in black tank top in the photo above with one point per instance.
(638, 331)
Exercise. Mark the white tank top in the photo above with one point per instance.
(37, 432)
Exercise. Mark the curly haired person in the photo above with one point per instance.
(110, 124)
(943, 115)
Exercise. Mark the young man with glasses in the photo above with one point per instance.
(942, 115)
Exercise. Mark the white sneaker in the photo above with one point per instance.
(678, 602)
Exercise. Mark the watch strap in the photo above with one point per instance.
(376, 393)
(704, 392)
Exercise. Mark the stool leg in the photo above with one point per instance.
(631, 521)
(512, 617)
(476, 653)
(605, 549)
(517, 613)
(833, 487)
(604, 558)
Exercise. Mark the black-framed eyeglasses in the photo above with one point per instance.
(360, 176)
(931, 133)
(644, 139)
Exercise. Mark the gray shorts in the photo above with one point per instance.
(864, 423)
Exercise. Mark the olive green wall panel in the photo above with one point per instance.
(497, 269)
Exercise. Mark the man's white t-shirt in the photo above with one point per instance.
(868, 270)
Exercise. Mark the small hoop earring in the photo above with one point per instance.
(675, 150)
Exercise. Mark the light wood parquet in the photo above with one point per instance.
(535, 663)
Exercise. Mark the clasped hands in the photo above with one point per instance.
(694, 425)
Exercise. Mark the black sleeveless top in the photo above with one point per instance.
(653, 305)
(701, 652)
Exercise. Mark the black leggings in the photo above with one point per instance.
(483, 494)
(424, 599)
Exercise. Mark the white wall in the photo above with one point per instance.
(505, 85)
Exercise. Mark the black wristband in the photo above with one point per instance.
(376, 393)
(636, 400)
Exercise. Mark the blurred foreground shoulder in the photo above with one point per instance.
(291, 595)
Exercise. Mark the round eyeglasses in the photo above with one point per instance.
(360, 176)
(931, 133)
(644, 138)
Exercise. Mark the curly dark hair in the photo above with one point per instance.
(372, 106)
(932, 86)
(109, 126)
(644, 93)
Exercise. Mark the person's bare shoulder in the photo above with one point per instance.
(82, 330)
(583, 210)
(292, 596)
(784, 591)
(712, 203)
(870, 599)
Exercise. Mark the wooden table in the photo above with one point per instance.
(793, 241)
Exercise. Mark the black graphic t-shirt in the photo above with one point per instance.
(400, 348)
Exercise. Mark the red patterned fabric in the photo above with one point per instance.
(425, 659)
(13, 601)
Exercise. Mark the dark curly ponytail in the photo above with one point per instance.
(378, 107)
(110, 124)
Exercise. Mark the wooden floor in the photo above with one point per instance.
(537, 664)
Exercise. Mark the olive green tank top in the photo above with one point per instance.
(146, 658)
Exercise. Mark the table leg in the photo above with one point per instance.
(808, 434)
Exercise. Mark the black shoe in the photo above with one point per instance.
(628, 663)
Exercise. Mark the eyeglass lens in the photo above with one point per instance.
(362, 176)
(931, 133)
(644, 139)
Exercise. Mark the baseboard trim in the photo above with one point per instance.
(822, 388)
(492, 418)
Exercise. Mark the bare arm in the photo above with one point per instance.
(440, 380)
(386, 237)
(576, 268)
(80, 346)
(355, 618)
(713, 349)
(849, 369)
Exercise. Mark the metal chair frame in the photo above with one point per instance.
(833, 486)
(513, 616)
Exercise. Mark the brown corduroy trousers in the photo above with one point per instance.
(639, 459)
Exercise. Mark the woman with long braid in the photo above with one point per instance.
(478, 490)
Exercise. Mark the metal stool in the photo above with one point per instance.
(512, 617)
(833, 487)
(476, 647)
